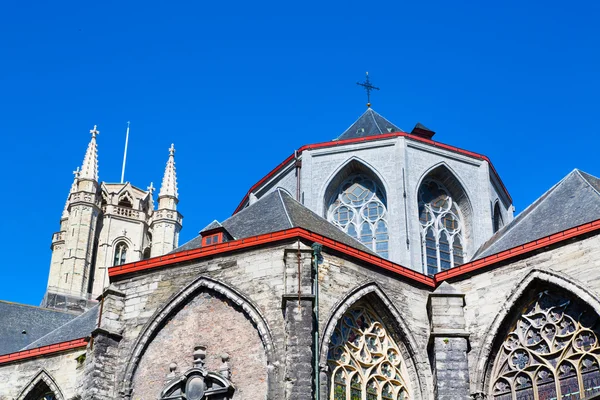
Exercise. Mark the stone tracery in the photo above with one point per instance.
(364, 359)
(551, 352)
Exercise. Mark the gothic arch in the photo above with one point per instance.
(497, 218)
(494, 335)
(41, 378)
(353, 165)
(417, 363)
(172, 306)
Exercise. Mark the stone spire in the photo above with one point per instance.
(73, 189)
(89, 168)
(169, 182)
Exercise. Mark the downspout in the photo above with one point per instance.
(317, 247)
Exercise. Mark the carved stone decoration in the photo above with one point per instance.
(197, 383)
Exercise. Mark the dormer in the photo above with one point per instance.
(214, 233)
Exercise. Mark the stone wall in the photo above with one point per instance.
(63, 368)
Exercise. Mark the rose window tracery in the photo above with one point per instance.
(551, 352)
(364, 359)
(359, 209)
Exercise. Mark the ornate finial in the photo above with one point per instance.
(76, 173)
(172, 149)
(94, 131)
(199, 356)
(151, 188)
(368, 87)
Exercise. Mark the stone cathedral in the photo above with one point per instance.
(380, 265)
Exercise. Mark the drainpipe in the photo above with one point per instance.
(317, 247)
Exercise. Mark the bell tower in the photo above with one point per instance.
(166, 222)
(74, 246)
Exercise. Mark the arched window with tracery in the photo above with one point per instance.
(364, 359)
(550, 352)
(442, 228)
(120, 253)
(359, 208)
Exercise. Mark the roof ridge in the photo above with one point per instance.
(587, 182)
(37, 307)
(374, 120)
(285, 208)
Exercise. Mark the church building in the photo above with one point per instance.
(380, 265)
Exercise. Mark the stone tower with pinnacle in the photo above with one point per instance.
(105, 224)
(166, 223)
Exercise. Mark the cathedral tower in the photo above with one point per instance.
(166, 223)
(105, 224)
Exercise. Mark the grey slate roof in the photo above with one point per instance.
(35, 321)
(213, 225)
(369, 124)
(575, 200)
(77, 328)
(275, 212)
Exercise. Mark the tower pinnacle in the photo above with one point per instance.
(169, 182)
(89, 168)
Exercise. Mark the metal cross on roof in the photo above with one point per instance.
(94, 131)
(172, 149)
(368, 87)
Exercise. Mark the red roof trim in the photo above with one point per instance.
(369, 139)
(44, 350)
(221, 248)
(517, 251)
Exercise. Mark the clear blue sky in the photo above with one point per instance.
(238, 86)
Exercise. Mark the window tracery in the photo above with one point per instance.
(359, 208)
(365, 360)
(441, 228)
(120, 254)
(551, 352)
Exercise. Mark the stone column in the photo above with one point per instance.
(102, 357)
(449, 343)
(298, 312)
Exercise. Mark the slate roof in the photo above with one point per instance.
(369, 124)
(573, 201)
(77, 328)
(275, 212)
(35, 321)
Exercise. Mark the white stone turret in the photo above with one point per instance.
(166, 223)
(74, 246)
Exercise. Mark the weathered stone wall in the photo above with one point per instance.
(490, 295)
(223, 328)
(63, 368)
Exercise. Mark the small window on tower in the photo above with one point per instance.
(120, 254)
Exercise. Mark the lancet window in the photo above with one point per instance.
(497, 219)
(551, 352)
(442, 229)
(120, 254)
(364, 359)
(359, 208)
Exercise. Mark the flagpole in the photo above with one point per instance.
(125, 153)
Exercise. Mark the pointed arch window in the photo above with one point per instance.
(359, 208)
(364, 359)
(550, 352)
(497, 221)
(442, 229)
(120, 253)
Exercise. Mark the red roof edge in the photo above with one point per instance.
(44, 350)
(335, 143)
(517, 251)
(221, 248)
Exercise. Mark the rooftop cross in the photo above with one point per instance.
(151, 188)
(94, 131)
(368, 87)
(76, 173)
(172, 149)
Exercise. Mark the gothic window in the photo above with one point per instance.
(441, 228)
(120, 254)
(365, 360)
(551, 352)
(359, 208)
(497, 218)
(48, 396)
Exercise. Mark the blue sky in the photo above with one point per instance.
(237, 86)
